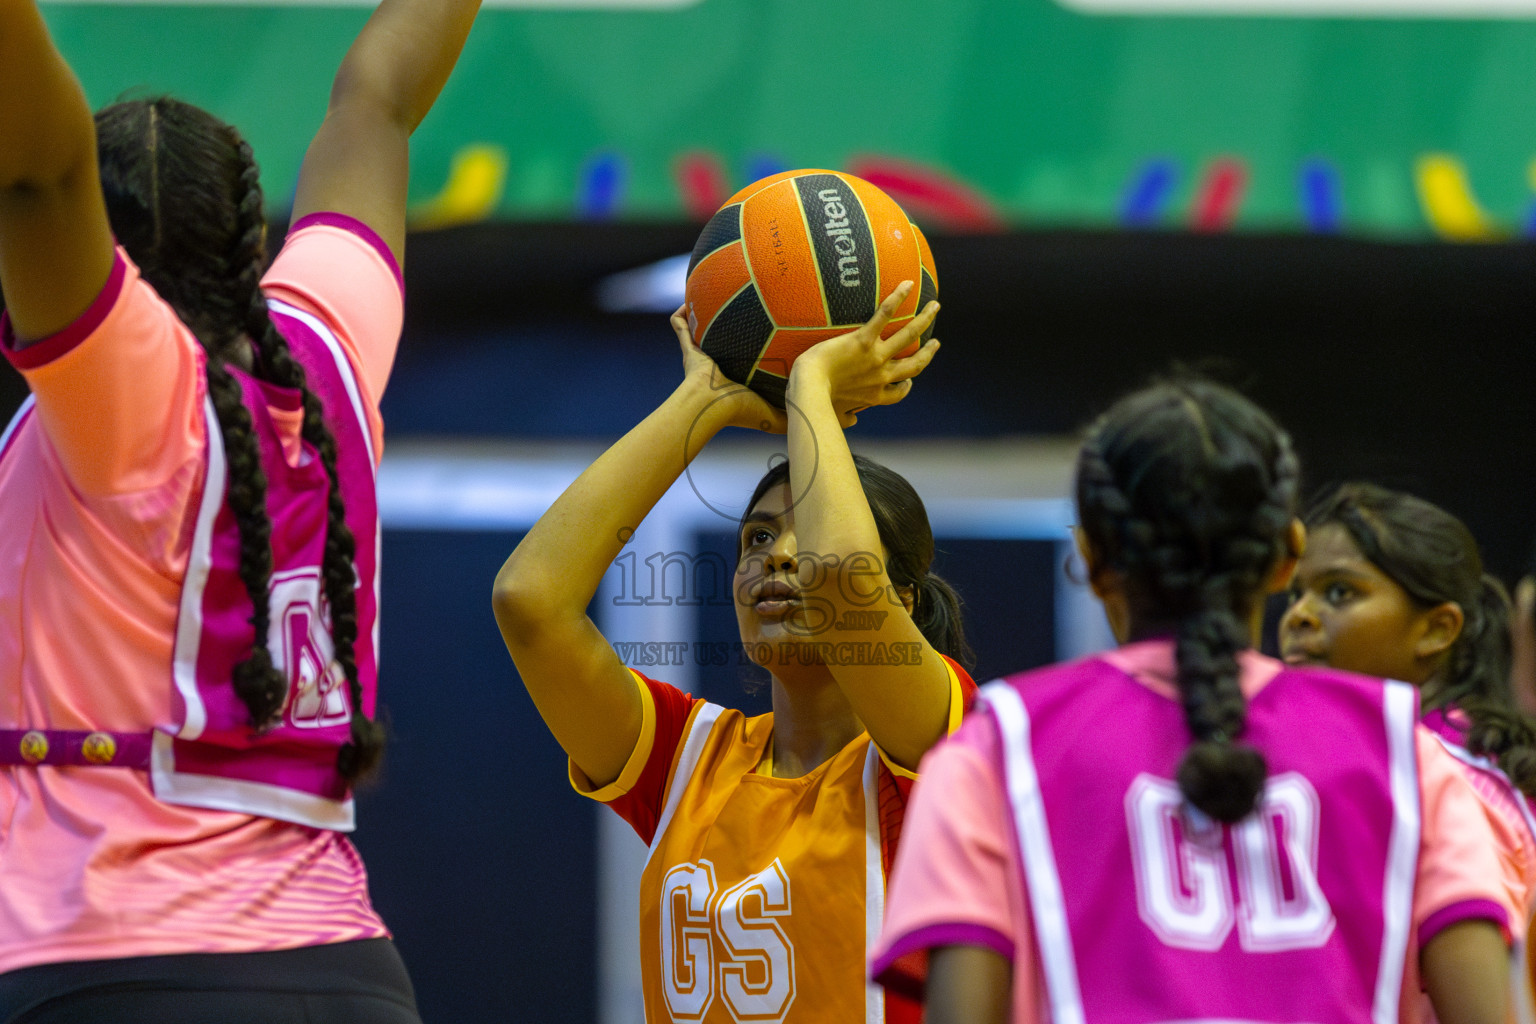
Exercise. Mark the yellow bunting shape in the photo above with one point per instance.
(1449, 205)
(477, 178)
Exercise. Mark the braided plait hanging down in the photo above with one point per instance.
(247, 258)
(258, 683)
(184, 199)
(1480, 667)
(166, 174)
(1186, 490)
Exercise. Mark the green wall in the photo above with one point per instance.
(1027, 111)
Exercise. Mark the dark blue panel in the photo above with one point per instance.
(481, 858)
(1009, 600)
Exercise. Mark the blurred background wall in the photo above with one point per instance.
(1327, 202)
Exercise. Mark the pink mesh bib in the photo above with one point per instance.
(212, 759)
(1146, 911)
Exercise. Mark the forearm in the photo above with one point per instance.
(403, 56)
(832, 516)
(845, 573)
(561, 562)
(46, 131)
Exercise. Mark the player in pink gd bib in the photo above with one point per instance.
(1182, 829)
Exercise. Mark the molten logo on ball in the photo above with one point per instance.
(842, 237)
(796, 259)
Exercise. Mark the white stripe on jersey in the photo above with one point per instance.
(874, 880)
(1400, 706)
(189, 621)
(687, 762)
(1052, 935)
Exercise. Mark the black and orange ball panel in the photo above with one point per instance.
(794, 259)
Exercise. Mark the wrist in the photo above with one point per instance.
(707, 407)
(808, 378)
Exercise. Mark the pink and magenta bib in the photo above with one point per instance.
(1146, 912)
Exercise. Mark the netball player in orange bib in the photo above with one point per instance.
(188, 599)
(770, 836)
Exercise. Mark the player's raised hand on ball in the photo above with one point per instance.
(860, 369)
(745, 407)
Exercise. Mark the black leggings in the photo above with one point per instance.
(342, 983)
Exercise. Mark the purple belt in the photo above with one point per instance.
(75, 747)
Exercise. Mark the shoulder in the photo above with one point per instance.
(1334, 680)
(119, 392)
(960, 681)
(669, 701)
(694, 731)
(324, 250)
(336, 269)
(126, 312)
(1037, 682)
(976, 739)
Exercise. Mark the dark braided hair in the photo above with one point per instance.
(902, 523)
(184, 198)
(1434, 558)
(1185, 491)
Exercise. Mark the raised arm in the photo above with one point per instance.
(584, 693)
(827, 385)
(358, 162)
(55, 245)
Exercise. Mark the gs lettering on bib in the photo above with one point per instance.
(212, 758)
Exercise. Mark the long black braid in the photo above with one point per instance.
(1185, 490)
(185, 199)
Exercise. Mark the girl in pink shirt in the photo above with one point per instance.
(1181, 829)
(1392, 585)
(188, 602)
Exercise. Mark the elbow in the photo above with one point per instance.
(363, 92)
(515, 601)
(528, 601)
(31, 178)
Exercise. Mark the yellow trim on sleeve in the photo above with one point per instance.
(637, 757)
(956, 713)
(956, 699)
(896, 769)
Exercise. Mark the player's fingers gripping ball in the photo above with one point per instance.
(798, 258)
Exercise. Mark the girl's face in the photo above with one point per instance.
(775, 585)
(767, 586)
(1348, 614)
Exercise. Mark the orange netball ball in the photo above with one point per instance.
(794, 259)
